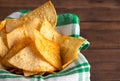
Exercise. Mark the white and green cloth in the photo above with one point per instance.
(79, 70)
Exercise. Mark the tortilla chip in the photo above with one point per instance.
(16, 48)
(28, 73)
(48, 31)
(69, 49)
(3, 48)
(46, 10)
(28, 60)
(2, 24)
(69, 46)
(15, 36)
(48, 49)
(11, 24)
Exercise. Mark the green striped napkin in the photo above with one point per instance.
(79, 70)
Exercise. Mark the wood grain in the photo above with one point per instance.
(104, 64)
(63, 4)
(85, 14)
(100, 24)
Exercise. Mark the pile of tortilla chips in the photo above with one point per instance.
(31, 45)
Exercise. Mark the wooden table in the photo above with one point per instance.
(100, 24)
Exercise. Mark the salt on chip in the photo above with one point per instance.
(13, 24)
(48, 31)
(18, 33)
(15, 36)
(46, 10)
(69, 46)
(69, 49)
(48, 49)
(28, 60)
(16, 48)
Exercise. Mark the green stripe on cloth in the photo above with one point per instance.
(24, 11)
(68, 18)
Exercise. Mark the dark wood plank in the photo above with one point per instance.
(102, 39)
(105, 64)
(62, 3)
(102, 35)
(100, 26)
(85, 14)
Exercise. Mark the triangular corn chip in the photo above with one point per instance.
(48, 49)
(48, 31)
(3, 48)
(46, 10)
(13, 24)
(69, 49)
(69, 46)
(2, 24)
(16, 48)
(15, 36)
(28, 60)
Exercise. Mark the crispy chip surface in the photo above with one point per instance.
(11, 24)
(27, 60)
(48, 49)
(15, 36)
(16, 48)
(68, 45)
(69, 49)
(3, 47)
(46, 10)
(2, 24)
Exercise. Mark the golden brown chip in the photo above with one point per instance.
(48, 31)
(2, 24)
(28, 73)
(16, 48)
(11, 24)
(69, 46)
(28, 60)
(3, 47)
(15, 36)
(46, 10)
(48, 49)
(69, 49)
